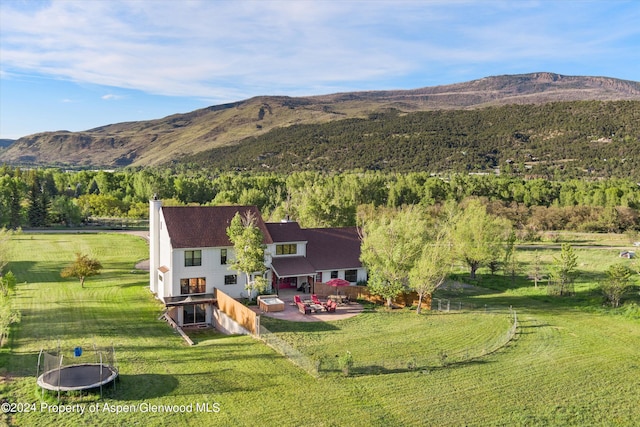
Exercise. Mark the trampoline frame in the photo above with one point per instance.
(69, 368)
(98, 381)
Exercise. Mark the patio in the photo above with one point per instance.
(291, 313)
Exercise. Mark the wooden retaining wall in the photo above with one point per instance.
(242, 314)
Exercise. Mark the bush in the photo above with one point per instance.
(631, 311)
(346, 363)
(617, 283)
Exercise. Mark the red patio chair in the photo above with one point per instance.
(303, 308)
(331, 306)
(315, 299)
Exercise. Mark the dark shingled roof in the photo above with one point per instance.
(292, 266)
(285, 232)
(333, 248)
(205, 226)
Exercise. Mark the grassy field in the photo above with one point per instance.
(572, 362)
(382, 341)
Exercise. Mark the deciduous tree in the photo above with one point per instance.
(390, 247)
(479, 237)
(432, 268)
(249, 250)
(5, 240)
(536, 270)
(563, 271)
(83, 267)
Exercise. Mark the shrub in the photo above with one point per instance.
(346, 363)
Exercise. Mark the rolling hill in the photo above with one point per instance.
(186, 136)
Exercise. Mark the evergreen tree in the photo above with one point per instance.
(38, 203)
(617, 283)
(563, 272)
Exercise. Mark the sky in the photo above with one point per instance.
(75, 65)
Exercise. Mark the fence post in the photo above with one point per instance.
(257, 326)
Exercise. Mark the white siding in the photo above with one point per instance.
(165, 260)
(154, 243)
(211, 269)
(326, 274)
(301, 249)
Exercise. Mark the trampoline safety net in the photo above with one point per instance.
(78, 369)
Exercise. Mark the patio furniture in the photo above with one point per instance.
(331, 306)
(339, 298)
(315, 299)
(302, 307)
(317, 308)
(336, 283)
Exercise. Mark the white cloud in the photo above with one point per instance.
(227, 50)
(111, 97)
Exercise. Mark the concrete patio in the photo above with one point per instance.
(291, 312)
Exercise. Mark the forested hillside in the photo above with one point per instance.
(571, 139)
(169, 139)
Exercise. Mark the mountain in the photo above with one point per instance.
(178, 136)
(568, 138)
(4, 143)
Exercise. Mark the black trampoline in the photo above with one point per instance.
(85, 376)
(88, 370)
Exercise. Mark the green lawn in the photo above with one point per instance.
(382, 341)
(572, 362)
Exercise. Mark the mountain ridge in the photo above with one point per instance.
(168, 139)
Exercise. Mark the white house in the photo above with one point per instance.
(190, 254)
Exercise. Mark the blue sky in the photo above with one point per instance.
(76, 65)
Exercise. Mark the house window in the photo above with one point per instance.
(194, 313)
(231, 279)
(319, 277)
(192, 258)
(223, 256)
(351, 276)
(288, 249)
(334, 274)
(197, 285)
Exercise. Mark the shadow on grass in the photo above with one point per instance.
(527, 327)
(144, 386)
(49, 272)
(278, 325)
(427, 369)
(107, 281)
(499, 291)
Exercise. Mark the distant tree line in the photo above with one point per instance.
(45, 197)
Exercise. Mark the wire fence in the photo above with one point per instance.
(293, 354)
(348, 365)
